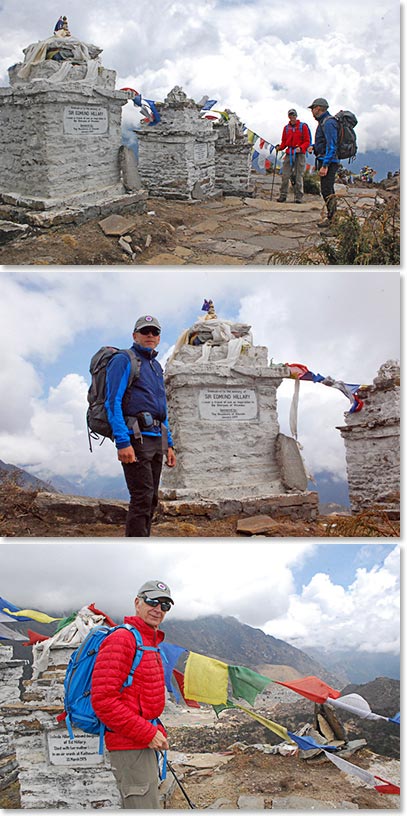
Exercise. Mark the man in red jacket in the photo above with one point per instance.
(132, 739)
(295, 140)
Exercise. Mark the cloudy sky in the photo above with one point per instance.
(311, 594)
(255, 57)
(338, 323)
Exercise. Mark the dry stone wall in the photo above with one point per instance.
(232, 158)
(177, 155)
(372, 443)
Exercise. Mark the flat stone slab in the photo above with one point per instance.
(250, 802)
(165, 259)
(298, 803)
(283, 218)
(255, 525)
(234, 248)
(116, 224)
(9, 230)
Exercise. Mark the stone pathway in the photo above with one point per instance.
(255, 230)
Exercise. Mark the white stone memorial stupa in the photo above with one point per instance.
(60, 130)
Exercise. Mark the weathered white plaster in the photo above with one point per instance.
(61, 138)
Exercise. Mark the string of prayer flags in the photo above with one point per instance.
(247, 684)
(311, 687)
(180, 680)
(206, 679)
(395, 719)
(301, 372)
(308, 743)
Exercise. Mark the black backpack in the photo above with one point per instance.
(347, 147)
(96, 417)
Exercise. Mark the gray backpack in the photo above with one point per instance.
(96, 417)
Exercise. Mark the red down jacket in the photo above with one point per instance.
(126, 712)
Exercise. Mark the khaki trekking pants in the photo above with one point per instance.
(297, 168)
(136, 774)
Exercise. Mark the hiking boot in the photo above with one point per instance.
(281, 200)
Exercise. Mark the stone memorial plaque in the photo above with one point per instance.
(81, 751)
(85, 121)
(228, 404)
(200, 152)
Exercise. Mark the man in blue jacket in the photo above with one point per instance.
(140, 428)
(325, 150)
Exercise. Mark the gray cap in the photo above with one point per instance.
(292, 110)
(320, 102)
(155, 589)
(146, 320)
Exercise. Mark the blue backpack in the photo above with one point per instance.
(78, 680)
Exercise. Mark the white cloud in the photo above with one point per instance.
(363, 616)
(330, 321)
(253, 61)
(254, 583)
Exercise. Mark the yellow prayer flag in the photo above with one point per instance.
(41, 617)
(206, 679)
(278, 729)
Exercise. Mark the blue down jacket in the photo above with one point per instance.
(146, 394)
(326, 139)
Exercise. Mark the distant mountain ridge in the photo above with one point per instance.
(225, 638)
(24, 479)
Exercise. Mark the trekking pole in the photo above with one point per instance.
(191, 804)
(274, 176)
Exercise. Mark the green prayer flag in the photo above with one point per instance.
(247, 684)
(222, 706)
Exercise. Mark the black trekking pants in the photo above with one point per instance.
(328, 189)
(143, 478)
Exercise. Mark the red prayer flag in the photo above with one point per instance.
(388, 787)
(313, 688)
(180, 680)
(92, 606)
(34, 637)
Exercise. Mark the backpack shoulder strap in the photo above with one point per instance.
(140, 648)
(135, 364)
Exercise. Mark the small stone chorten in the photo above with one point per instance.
(60, 130)
(372, 444)
(232, 157)
(222, 404)
(177, 156)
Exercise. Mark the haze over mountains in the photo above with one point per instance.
(225, 638)
(330, 488)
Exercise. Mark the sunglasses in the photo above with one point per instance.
(165, 605)
(147, 330)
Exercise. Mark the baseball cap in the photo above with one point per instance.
(146, 320)
(155, 589)
(292, 110)
(320, 102)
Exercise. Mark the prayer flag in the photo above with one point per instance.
(108, 620)
(308, 743)
(206, 679)
(209, 104)
(170, 654)
(366, 776)
(247, 683)
(16, 613)
(34, 637)
(272, 726)
(356, 704)
(311, 687)
(9, 634)
(180, 680)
